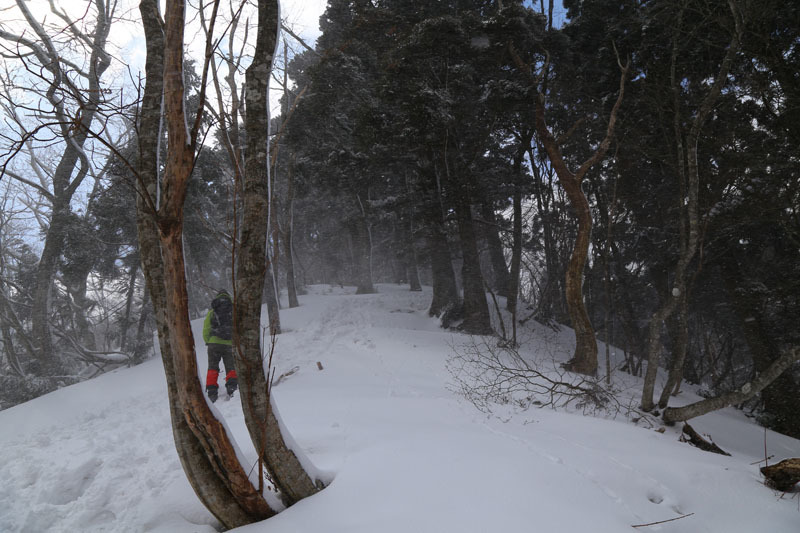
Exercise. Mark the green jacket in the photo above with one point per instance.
(208, 338)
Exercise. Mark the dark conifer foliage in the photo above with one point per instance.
(418, 124)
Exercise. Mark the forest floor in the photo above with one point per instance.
(406, 452)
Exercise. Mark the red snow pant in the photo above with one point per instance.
(217, 352)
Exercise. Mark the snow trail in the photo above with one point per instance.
(406, 454)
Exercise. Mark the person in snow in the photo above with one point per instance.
(217, 334)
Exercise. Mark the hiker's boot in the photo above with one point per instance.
(231, 385)
(213, 392)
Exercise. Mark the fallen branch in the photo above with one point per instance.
(696, 440)
(747, 391)
(285, 375)
(663, 521)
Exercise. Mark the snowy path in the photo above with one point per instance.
(408, 455)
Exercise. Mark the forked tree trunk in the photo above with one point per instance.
(281, 462)
(584, 360)
(207, 455)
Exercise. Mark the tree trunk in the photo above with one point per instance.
(412, 264)
(783, 408)
(687, 173)
(476, 310)
(516, 249)
(445, 292)
(551, 303)
(584, 360)
(126, 320)
(495, 245)
(678, 354)
(748, 390)
(270, 296)
(140, 347)
(359, 237)
(40, 309)
(291, 288)
(252, 266)
(208, 431)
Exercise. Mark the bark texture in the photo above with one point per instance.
(360, 246)
(784, 475)
(251, 269)
(206, 453)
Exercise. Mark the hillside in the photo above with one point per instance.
(406, 453)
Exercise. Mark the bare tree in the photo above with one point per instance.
(69, 99)
(206, 451)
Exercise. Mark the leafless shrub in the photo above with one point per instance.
(489, 374)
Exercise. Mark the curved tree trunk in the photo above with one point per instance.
(281, 462)
(584, 360)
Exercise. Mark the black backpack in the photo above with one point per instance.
(222, 319)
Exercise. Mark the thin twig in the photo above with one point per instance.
(663, 521)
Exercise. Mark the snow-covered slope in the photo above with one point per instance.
(407, 455)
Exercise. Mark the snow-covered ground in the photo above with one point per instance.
(407, 455)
